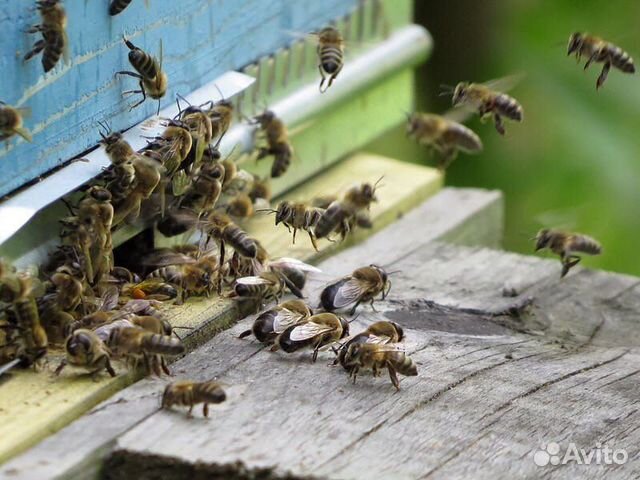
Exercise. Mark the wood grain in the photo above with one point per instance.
(33, 405)
(499, 376)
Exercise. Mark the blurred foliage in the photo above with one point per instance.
(574, 162)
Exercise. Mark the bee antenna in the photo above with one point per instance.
(447, 88)
(270, 210)
(219, 91)
(353, 319)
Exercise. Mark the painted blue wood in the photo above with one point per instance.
(201, 39)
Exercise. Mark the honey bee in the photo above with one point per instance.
(600, 51)
(153, 80)
(330, 55)
(567, 245)
(205, 190)
(116, 147)
(11, 122)
(58, 307)
(268, 325)
(187, 393)
(159, 326)
(267, 285)
(54, 42)
(147, 176)
(230, 173)
(381, 332)
(444, 135)
(84, 349)
(20, 290)
(96, 212)
(221, 115)
(361, 286)
(376, 356)
(260, 190)
(318, 331)
(240, 206)
(136, 343)
(489, 102)
(190, 279)
(299, 216)
(342, 214)
(278, 143)
(360, 220)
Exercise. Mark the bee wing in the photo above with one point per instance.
(460, 114)
(166, 258)
(285, 319)
(391, 347)
(109, 299)
(253, 281)
(285, 262)
(180, 183)
(348, 293)
(378, 339)
(308, 330)
(24, 133)
(504, 84)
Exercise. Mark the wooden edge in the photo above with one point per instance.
(32, 406)
(78, 452)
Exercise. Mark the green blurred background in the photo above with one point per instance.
(575, 160)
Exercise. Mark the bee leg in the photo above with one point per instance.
(164, 366)
(372, 306)
(354, 374)
(131, 74)
(63, 364)
(568, 263)
(498, 123)
(323, 79)
(591, 59)
(220, 263)
(190, 412)
(144, 96)
(314, 357)
(393, 376)
(313, 241)
(205, 410)
(109, 368)
(295, 230)
(353, 310)
(37, 48)
(603, 75)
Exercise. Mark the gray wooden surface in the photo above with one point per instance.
(463, 215)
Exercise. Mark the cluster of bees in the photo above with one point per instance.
(99, 311)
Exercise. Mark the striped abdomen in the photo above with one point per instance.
(620, 59)
(117, 6)
(189, 393)
(330, 58)
(331, 218)
(403, 364)
(283, 153)
(240, 241)
(145, 64)
(171, 273)
(585, 244)
(462, 137)
(161, 344)
(508, 107)
(55, 44)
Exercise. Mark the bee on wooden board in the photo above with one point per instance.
(269, 324)
(54, 43)
(567, 245)
(375, 357)
(205, 189)
(488, 100)
(117, 6)
(96, 212)
(11, 123)
(361, 286)
(278, 143)
(341, 214)
(318, 331)
(298, 216)
(59, 306)
(187, 393)
(84, 349)
(330, 55)
(382, 332)
(267, 285)
(444, 135)
(153, 80)
(600, 51)
(190, 277)
(135, 343)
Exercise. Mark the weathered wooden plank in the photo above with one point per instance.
(499, 376)
(78, 447)
(34, 405)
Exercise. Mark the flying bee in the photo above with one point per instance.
(153, 81)
(83, 348)
(298, 216)
(381, 332)
(376, 356)
(240, 206)
(361, 286)
(567, 246)
(268, 325)
(600, 51)
(54, 42)
(444, 135)
(330, 55)
(260, 190)
(11, 122)
(360, 220)
(20, 290)
(342, 214)
(278, 144)
(318, 331)
(488, 101)
(136, 343)
(188, 394)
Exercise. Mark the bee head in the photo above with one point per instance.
(543, 238)
(459, 93)
(77, 344)
(100, 194)
(575, 41)
(283, 212)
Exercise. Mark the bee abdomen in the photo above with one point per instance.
(331, 59)
(53, 50)
(144, 63)
(465, 138)
(243, 243)
(621, 60)
(586, 245)
(282, 161)
(509, 107)
(263, 327)
(328, 295)
(405, 365)
(162, 344)
(117, 6)
(209, 392)
(329, 220)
